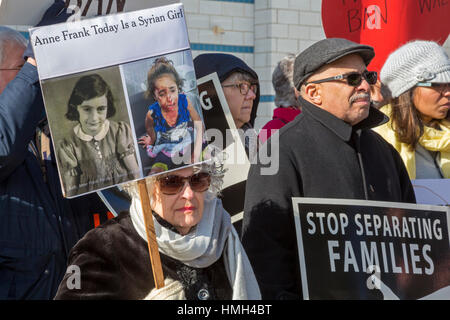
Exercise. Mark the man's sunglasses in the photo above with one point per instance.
(173, 184)
(353, 79)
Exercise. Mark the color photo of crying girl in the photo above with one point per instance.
(173, 126)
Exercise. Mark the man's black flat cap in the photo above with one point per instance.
(324, 52)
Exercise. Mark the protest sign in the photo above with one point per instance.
(354, 249)
(386, 25)
(432, 191)
(89, 86)
(115, 199)
(29, 13)
(223, 134)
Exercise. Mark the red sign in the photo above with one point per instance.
(386, 24)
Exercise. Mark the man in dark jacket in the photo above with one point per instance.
(328, 151)
(38, 227)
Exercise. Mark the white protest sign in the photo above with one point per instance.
(432, 191)
(90, 87)
(61, 49)
(29, 12)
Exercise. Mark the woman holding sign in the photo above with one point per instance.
(173, 125)
(99, 152)
(201, 255)
(418, 78)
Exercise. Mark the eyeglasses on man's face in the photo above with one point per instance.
(353, 79)
(441, 87)
(244, 87)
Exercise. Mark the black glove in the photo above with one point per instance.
(54, 14)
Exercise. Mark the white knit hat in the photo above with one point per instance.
(414, 62)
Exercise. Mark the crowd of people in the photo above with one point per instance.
(344, 132)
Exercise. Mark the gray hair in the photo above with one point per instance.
(283, 83)
(8, 35)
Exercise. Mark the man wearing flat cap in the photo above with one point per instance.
(328, 151)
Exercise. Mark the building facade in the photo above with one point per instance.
(260, 32)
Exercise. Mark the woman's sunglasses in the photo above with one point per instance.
(353, 79)
(173, 184)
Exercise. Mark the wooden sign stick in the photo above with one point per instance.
(155, 259)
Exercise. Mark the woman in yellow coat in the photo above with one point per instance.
(417, 76)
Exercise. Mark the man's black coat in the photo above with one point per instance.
(320, 156)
